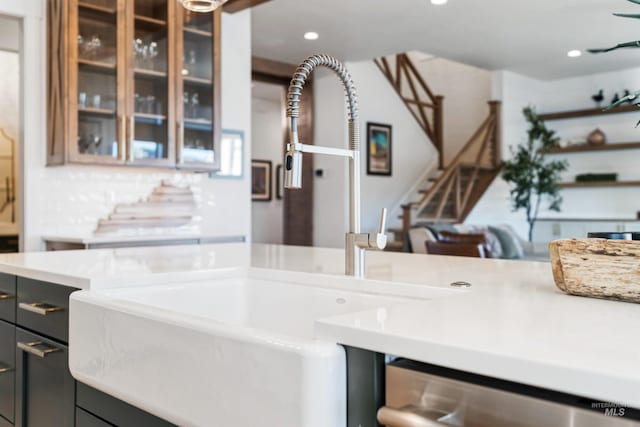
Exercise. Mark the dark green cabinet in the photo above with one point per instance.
(5, 423)
(7, 297)
(45, 390)
(44, 307)
(113, 411)
(7, 371)
(85, 419)
(36, 387)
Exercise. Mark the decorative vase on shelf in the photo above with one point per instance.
(597, 137)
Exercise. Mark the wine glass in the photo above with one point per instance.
(195, 105)
(153, 52)
(185, 102)
(94, 45)
(81, 45)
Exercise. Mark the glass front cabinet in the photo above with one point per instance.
(138, 82)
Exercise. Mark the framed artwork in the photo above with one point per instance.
(261, 180)
(378, 149)
(279, 182)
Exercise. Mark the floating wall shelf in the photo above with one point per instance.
(589, 112)
(599, 184)
(588, 148)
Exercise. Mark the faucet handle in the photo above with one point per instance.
(379, 240)
(383, 221)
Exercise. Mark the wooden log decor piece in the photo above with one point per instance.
(597, 268)
(168, 206)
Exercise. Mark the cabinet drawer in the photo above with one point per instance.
(45, 390)
(115, 411)
(85, 419)
(7, 297)
(7, 370)
(44, 308)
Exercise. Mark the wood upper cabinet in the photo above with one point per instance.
(151, 82)
(133, 83)
(198, 70)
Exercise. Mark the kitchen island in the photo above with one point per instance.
(511, 324)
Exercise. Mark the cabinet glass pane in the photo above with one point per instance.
(103, 5)
(151, 10)
(197, 96)
(97, 79)
(151, 80)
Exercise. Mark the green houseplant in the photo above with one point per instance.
(633, 98)
(533, 179)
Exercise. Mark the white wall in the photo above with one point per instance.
(412, 153)
(466, 91)
(516, 92)
(72, 198)
(569, 94)
(9, 34)
(267, 124)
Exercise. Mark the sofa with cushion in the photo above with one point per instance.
(499, 241)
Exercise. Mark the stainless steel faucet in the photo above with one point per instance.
(356, 243)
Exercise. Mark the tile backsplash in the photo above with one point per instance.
(74, 198)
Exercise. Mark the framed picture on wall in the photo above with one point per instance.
(261, 180)
(378, 149)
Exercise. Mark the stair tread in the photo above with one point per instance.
(395, 244)
(470, 165)
(432, 220)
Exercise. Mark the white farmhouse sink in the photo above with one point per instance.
(234, 351)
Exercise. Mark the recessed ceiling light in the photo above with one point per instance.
(202, 6)
(311, 35)
(574, 53)
(439, 2)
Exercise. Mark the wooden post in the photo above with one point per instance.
(406, 224)
(458, 191)
(438, 124)
(495, 111)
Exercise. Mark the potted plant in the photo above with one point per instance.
(533, 179)
(633, 98)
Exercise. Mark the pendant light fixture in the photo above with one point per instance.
(202, 6)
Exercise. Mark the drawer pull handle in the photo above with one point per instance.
(32, 347)
(408, 417)
(4, 370)
(4, 296)
(39, 308)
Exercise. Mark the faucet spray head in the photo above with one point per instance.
(293, 168)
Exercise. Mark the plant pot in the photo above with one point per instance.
(597, 137)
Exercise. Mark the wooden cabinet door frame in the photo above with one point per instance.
(72, 29)
(216, 57)
(172, 58)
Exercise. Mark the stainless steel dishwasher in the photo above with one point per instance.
(419, 395)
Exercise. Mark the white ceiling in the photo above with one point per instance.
(531, 37)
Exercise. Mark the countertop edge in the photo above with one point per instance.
(46, 276)
(586, 384)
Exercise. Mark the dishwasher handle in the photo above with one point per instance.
(409, 416)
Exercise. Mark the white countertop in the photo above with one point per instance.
(113, 268)
(89, 239)
(512, 324)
